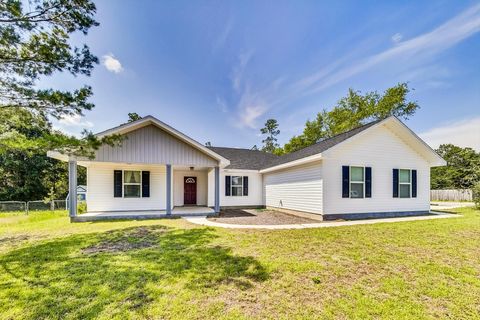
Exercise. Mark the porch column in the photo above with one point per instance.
(169, 189)
(217, 189)
(72, 188)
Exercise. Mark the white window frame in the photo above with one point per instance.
(400, 183)
(236, 186)
(350, 182)
(131, 184)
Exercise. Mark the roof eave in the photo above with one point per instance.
(293, 163)
(223, 162)
(434, 158)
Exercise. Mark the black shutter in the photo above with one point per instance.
(245, 186)
(145, 184)
(414, 183)
(395, 183)
(227, 185)
(117, 183)
(368, 182)
(345, 182)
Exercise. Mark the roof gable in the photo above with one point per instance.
(314, 152)
(150, 120)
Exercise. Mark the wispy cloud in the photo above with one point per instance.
(75, 121)
(397, 37)
(441, 38)
(239, 69)
(255, 102)
(223, 36)
(112, 64)
(222, 104)
(73, 125)
(464, 133)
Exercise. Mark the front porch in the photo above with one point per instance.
(161, 191)
(176, 212)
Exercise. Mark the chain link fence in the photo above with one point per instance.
(31, 206)
(10, 206)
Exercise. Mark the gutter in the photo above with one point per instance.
(293, 163)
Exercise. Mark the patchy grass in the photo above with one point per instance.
(50, 268)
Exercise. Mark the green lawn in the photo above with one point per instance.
(50, 268)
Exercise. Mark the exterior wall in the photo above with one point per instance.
(255, 194)
(382, 150)
(298, 188)
(152, 145)
(100, 188)
(178, 184)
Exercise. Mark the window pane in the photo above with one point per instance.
(131, 177)
(131, 191)
(405, 191)
(356, 190)
(404, 175)
(236, 181)
(356, 174)
(236, 191)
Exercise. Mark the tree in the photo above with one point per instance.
(34, 44)
(271, 130)
(462, 170)
(133, 116)
(30, 174)
(353, 111)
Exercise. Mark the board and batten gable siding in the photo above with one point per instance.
(100, 188)
(179, 183)
(382, 150)
(298, 188)
(152, 145)
(255, 194)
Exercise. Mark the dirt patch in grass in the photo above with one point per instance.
(139, 238)
(259, 217)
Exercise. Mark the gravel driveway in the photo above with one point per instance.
(258, 217)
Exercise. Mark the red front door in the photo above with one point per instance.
(190, 190)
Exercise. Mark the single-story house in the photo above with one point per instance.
(376, 170)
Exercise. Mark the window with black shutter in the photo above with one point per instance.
(145, 184)
(368, 182)
(245, 186)
(395, 183)
(117, 183)
(414, 183)
(228, 190)
(345, 182)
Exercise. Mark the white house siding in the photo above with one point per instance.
(298, 188)
(255, 194)
(152, 145)
(382, 150)
(178, 184)
(100, 188)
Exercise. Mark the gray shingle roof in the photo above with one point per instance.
(318, 147)
(257, 160)
(244, 158)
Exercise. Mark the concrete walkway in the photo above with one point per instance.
(444, 205)
(205, 222)
(177, 212)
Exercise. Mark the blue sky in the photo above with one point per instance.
(216, 70)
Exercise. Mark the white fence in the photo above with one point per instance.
(451, 195)
(27, 206)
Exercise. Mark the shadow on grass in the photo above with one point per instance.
(118, 272)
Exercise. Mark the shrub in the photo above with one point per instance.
(476, 194)
(82, 207)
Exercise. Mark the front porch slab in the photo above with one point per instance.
(177, 212)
